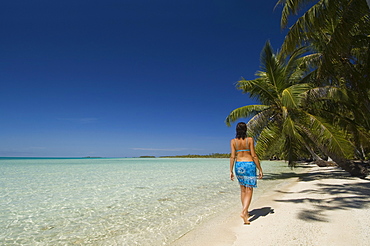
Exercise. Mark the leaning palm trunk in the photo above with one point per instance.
(355, 169)
(313, 154)
(317, 159)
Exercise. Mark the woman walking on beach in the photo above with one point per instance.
(244, 159)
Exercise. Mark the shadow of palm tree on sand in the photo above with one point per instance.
(332, 196)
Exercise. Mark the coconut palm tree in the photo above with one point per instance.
(282, 119)
(338, 34)
(340, 31)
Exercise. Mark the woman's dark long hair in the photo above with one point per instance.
(241, 130)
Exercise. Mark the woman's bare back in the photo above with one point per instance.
(243, 149)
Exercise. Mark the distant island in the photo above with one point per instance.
(213, 155)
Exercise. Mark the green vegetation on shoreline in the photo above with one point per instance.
(213, 155)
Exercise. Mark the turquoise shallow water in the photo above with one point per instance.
(116, 201)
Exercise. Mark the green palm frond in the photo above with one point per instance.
(259, 88)
(291, 7)
(363, 137)
(332, 93)
(329, 24)
(293, 140)
(310, 62)
(274, 68)
(290, 128)
(293, 69)
(293, 60)
(328, 137)
(244, 112)
(261, 120)
(266, 139)
(353, 21)
(293, 95)
(303, 29)
(291, 150)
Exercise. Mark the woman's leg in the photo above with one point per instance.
(242, 194)
(246, 198)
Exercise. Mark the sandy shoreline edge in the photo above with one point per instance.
(324, 206)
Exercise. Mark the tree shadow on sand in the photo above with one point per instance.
(293, 173)
(277, 176)
(334, 172)
(258, 212)
(335, 196)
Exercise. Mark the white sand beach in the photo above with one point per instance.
(322, 207)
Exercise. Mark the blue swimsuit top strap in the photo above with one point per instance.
(239, 150)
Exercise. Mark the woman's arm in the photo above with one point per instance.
(255, 158)
(232, 159)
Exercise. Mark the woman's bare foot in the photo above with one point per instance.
(245, 218)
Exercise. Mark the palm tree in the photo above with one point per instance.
(338, 34)
(282, 119)
(340, 31)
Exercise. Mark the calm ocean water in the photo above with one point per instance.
(115, 201)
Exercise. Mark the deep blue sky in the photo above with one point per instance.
(124, 78)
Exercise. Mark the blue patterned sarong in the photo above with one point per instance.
(245, 172)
